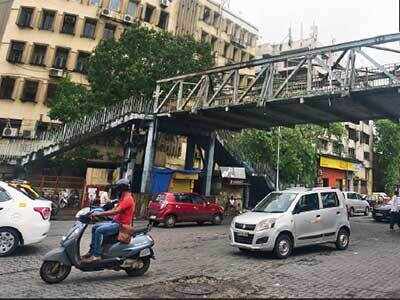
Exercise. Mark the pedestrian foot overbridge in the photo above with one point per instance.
(344, 82)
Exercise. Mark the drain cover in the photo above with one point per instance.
(195, 289)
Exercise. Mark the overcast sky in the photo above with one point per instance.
(342, 20)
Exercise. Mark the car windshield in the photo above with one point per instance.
(276, 203)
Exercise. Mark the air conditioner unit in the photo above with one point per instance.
(105, 12)
(10, 132)
(56, 73)
(129, 19)
(164, 3)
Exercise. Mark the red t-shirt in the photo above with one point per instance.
(127, 206)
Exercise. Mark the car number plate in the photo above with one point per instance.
(153, 217)
(245, 234)
(145, 252)
(378, 214)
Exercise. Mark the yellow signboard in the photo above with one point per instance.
(338, 164)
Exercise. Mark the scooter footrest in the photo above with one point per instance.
(100, 264)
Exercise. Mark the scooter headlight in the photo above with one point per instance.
(265, 224)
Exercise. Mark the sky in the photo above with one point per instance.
(339, 20)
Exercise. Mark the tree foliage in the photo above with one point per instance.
(298, 150)
(129, 67)
(387, 153)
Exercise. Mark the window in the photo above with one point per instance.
(329, 200)
(352, 134)
(337, 148)
(115, 5)
(226, 50)
(89, 29)
(217, 20)
(60, 60)
(308, 203)
(81, 62)
(95, 2)
(30, 90)
(276, 203)
(16, 51)
(7, 87)
(68, 26)
(365, 138)
(183, 198)
(214, 43)
(47, 20)
(109, 31)
(38, 55)
(352, 152)
(132, 8)
(367, 156)
(25, 17)
(148, 15)
(323, 144)
(207, 15)
(163, 22)
(197, 199)
(352, 196)
(4, 196)
(51, 91)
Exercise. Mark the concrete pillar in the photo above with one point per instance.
(210, 164)
(190, 150)
(149, 156)
(130, 151)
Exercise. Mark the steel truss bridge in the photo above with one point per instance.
(344, 82)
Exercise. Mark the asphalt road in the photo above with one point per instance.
(200, 256)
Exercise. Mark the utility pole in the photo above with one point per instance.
(278, 158)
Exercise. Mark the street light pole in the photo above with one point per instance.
(278, 159)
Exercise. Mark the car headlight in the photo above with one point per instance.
(265, 224)
(233, 223)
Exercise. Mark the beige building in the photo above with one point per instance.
(345, 164)
(45, 40)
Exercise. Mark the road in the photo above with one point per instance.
(200, 256)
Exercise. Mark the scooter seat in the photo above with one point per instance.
(139, 231)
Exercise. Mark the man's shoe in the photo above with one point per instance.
(91, 259)
(86, 256)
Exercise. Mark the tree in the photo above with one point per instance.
(299, 150)
(387, 153)
(129, 67)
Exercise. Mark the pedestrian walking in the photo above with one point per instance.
(394, 211)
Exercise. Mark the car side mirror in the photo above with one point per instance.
(296, 211)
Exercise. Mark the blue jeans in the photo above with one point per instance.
(98, 232)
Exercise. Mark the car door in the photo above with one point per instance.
(360, 203)
(7, 208)
(351, 200)
(200, 212)
(184, 207)
(307, 220)
(330, 214)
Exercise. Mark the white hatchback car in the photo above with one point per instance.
(23, 221)
(293, 218)
(356, 204)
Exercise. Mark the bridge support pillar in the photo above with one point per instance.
(210, 164)
(130, 152)
(149, 157)
(190, 150)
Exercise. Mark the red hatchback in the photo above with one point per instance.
(171, 208)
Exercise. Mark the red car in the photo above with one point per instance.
(171, 208)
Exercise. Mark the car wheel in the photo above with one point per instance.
(217, 219)
(283, 246)
(343, 239)
(54, 272)
(9, 241)
(170, 221)
(366, 212)
(144, 266)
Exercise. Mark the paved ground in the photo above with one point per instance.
(370, 268)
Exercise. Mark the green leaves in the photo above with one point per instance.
(387, 153)
(298, 157)
(129, 67)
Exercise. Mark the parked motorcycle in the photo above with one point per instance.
(133, 258)
(68, 199)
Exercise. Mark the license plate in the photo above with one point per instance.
(145, 252)
(153, 217)
(378, 214)
(245, 234)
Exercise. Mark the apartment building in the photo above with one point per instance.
(345, 164)
(42, 41)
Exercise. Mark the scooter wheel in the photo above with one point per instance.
(134, 272)
(54, 272)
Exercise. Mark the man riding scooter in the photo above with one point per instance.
(123, 215)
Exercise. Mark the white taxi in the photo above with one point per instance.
(23, 221)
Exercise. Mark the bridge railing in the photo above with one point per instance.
(326, 70)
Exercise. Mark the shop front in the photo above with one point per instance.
(337, 173)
